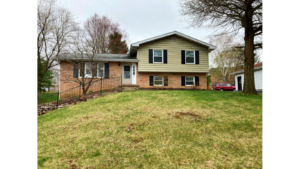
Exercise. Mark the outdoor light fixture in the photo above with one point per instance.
(119, 63)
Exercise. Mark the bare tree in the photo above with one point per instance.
(99, 29)
(230, 16)
(224, 58)
(84, 48)
(86, 43)
(55, 25)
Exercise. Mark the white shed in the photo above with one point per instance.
(239, 78)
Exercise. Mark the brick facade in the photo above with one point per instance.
(142, 79)
(66, 74)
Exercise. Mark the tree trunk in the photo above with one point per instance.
(249, 85)
(84, 90)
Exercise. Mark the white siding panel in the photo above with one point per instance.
(258, 79)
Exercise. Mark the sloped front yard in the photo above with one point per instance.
(154, 129)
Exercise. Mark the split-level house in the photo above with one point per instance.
(171, 61)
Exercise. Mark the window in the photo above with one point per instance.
(190, 57)
(228, 85)
(100, 69)
(133, 70)
(158, 80)
(190, 81)
(127, 72)
(97, 69)
(157, 56)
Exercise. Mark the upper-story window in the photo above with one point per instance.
(157, 56)
(189, 57)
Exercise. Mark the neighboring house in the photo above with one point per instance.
(239, 77)
(172, 60)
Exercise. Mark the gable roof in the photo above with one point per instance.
(256, 67)
(137, 44)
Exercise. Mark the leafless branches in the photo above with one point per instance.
(55, 25)
(224, 16)
(99, 30)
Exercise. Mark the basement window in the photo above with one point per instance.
(189, 81)
(158, 80)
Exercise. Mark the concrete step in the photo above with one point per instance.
(130, 88)
(129, 85)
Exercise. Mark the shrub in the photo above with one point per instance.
(91, 91)
(208, 80)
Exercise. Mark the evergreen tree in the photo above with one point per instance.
(44, 78)
(116, 45)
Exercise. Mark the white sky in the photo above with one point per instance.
(141, 19)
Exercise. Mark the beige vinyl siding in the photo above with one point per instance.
(174, 56)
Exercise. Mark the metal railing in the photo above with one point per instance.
(98, 86)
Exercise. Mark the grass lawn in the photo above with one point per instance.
(143, 129)
(47, 98)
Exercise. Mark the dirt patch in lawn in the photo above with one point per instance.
(192, 114)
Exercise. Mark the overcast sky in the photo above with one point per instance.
(141, 19)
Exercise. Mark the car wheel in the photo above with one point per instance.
(221, 90)
(233, 90)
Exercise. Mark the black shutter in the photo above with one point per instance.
(197, 80)
(165, 56)
(165, 80)
(106, 70)
(75, 72)
(150, 55)
(183, 57)
(197, 57)
(150, 80)
(182, 80)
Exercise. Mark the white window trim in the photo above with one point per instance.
(162, 60)
(194, 56)
(96, 69)
(162, 78)
(193, 80)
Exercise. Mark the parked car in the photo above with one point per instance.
(224, 86)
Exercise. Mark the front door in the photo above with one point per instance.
(239, 80)
(126, 74)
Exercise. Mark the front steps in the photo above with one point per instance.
(129, 87)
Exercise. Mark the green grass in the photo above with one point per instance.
(47, 98)
(142, 129)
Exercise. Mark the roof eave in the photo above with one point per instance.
(242, 71)
(210, 47)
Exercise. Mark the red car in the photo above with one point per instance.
(224, 86)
